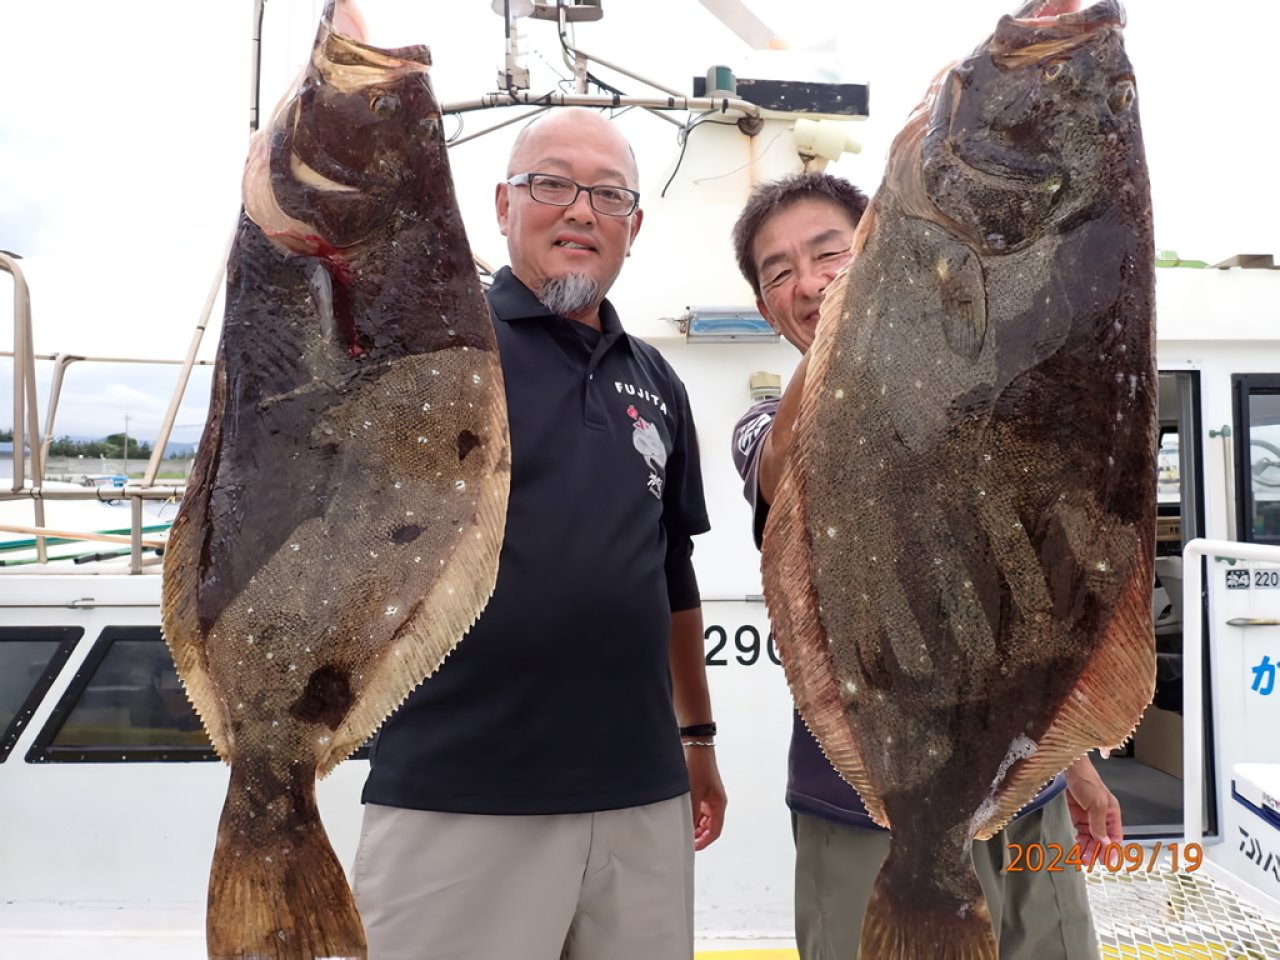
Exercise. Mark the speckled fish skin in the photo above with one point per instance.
(959, 558)
(343, 521)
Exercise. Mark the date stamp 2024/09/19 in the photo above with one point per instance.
(1112, 857)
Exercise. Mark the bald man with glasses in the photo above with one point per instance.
(541, 797)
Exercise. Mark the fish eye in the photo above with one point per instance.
(385, 104)
(1054, 70)
(1122, 96)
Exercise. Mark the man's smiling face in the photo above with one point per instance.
(796, 253)
(546, 242)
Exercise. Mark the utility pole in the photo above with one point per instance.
(125, 471)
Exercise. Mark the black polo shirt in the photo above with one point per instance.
(558, 700)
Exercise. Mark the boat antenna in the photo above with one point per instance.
(255, 65)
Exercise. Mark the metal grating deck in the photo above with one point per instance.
(1163, 914)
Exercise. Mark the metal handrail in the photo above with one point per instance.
(26, 415)
(26, 428)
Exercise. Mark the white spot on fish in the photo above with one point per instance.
(1020, 748)
(426, 406)
(374, 554)
(839, 394)
(919, 384)
(422, 439)
(391, 611)
(1103, 566)
(294, 547)
(435, 372)
(475, 378)
(270, 655)
(323, 740)
(397, 484)
(459, 484)
(831, 532)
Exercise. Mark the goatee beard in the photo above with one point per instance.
(574, 293)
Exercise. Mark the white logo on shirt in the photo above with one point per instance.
(751, 430)
(648, 443)
(631, 390)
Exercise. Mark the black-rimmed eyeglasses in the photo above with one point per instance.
(562, 192)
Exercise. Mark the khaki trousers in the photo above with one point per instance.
(614, 885)
(1036, 915)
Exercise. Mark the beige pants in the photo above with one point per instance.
(1037, 916)
(615, 885)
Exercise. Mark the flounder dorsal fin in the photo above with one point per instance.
(786, 561)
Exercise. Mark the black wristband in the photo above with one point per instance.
(699, 730)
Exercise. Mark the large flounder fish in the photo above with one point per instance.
(342, 524)
(959, 560)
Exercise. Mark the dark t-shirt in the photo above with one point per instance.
(813, 786)
(558, 700)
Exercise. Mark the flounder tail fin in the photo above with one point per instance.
(277, 890)
(911, 918)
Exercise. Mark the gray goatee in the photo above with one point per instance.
(570, 294)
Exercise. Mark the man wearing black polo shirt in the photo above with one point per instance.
(532, 800)
(791, 240)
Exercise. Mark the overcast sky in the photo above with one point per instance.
(123, 130)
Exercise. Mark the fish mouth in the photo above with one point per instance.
(1069, 13)
(1042, 29)
(344, 57)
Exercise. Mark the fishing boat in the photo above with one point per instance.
(109, 789)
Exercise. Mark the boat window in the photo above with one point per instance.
(126, 703)
(1257, 402)
(30, 657)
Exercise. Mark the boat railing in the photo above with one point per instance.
(30, 481)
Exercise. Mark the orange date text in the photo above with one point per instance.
(1112, 857)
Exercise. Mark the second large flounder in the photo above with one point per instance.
(959, 558)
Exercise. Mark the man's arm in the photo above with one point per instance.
(774, 452)
(1095, 811)
(693, 706)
